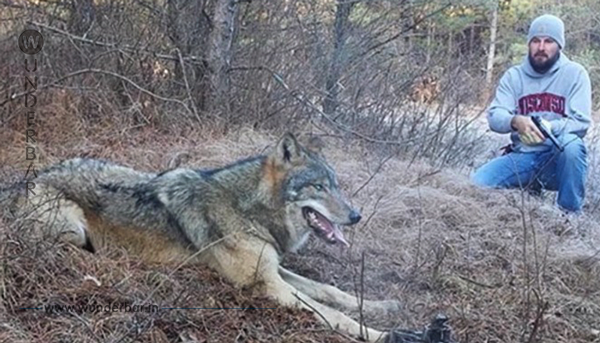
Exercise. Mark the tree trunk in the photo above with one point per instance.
(450, 52)
(343, 9)
(430, 37)
(471, 39)
(188, 26)
(220, 54)
(489, 70)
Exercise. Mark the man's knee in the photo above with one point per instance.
(574, 149)
(482, 178)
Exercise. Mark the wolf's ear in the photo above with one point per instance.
(288, 149)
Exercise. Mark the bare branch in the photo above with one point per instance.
(187, 86)
(105, 72)
(125, 48)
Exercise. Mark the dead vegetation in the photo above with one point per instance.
(502, 266)
(132, 82)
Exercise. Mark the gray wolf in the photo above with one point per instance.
(239, 219)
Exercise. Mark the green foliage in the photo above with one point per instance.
(516, 51)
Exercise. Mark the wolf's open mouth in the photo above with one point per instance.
(323, 227)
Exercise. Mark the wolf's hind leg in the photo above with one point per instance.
(54, 216)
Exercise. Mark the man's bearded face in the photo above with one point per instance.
(543, 53)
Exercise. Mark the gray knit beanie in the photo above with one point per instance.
(550, 26)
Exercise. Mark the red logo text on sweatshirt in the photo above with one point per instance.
(542, 102)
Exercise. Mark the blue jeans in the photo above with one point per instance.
(564, 172)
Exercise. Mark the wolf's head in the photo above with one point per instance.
(309, 189)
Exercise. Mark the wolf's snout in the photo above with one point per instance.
(354, 217)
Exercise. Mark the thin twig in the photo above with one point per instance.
(399, 34)
(99, 71)
(477, 283)
(539, 318)
(304, 100)
(361, 298)
(125, 48)
(187, 86)
(372, 176)
(312, 308)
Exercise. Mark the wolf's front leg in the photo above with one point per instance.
(245, 262)
(287, 295)
(335, 296)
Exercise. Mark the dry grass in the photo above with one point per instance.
(490, 260)
(60, 275)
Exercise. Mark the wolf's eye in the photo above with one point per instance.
(318, 187)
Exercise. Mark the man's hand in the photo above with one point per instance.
(528, 132)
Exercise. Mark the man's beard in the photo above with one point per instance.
(543, 67)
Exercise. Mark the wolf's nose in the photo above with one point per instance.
(354, 217)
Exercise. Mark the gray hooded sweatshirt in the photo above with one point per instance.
(562, 96)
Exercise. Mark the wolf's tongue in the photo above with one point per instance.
(339, 236)
(332, 230)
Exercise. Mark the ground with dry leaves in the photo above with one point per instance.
(503, 266)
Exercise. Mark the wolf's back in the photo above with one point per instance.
(82, 180)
